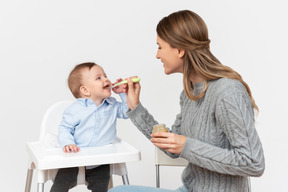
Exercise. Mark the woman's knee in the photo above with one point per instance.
(120, 188)
(136, 188)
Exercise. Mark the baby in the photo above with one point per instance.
(89, 122)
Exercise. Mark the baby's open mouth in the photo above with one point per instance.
(107, 87)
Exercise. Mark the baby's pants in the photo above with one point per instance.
(97, 179)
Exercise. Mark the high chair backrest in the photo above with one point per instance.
(51, 120)
(164, 160)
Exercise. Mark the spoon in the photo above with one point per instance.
(134, 80)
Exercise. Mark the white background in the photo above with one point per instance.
(41, 41)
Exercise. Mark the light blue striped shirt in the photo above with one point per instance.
(87, 125)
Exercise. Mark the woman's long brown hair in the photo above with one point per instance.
(186, 30)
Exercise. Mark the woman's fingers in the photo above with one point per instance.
(161, 134)
(133, 94)
(170, 142)
(168, 147)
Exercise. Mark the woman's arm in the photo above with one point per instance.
(245, 155)
(170, 143)
(143, 120)
(137, 113)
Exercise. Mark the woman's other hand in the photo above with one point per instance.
(133, 93)
(170, 142)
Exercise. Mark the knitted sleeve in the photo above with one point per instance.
(142, 119)
(244, 157)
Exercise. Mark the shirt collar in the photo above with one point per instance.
(89, 102)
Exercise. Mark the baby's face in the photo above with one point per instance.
(97, 83)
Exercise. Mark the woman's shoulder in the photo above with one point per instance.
(226, 87)
(226, 82)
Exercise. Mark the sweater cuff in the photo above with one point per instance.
(134, 113)
(185, 151)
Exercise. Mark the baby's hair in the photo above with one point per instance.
(75, 78)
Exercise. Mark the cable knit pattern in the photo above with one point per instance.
(222, 144)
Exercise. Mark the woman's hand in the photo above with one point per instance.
(133, 93)
(120, 88)
(170, 142)
(71, 148)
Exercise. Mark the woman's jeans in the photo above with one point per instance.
(134, 188)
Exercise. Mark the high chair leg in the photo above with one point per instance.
(40, 187)
(157, 176)
(110, 186)
(125, 179)
(28, 180)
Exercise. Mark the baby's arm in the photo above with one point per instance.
(122, 106)
(66, 131)
(71, 148)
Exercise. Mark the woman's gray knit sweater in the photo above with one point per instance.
(222, 146)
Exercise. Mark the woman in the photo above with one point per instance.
(215, 130)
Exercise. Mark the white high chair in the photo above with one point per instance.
(47, 157)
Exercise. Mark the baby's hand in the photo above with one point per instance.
(120, 88)
(71, 148)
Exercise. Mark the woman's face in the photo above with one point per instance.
(172, 58)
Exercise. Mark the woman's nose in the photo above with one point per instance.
(157, 55)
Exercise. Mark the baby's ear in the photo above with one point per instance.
(84, 90)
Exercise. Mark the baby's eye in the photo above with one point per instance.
(98, 78)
